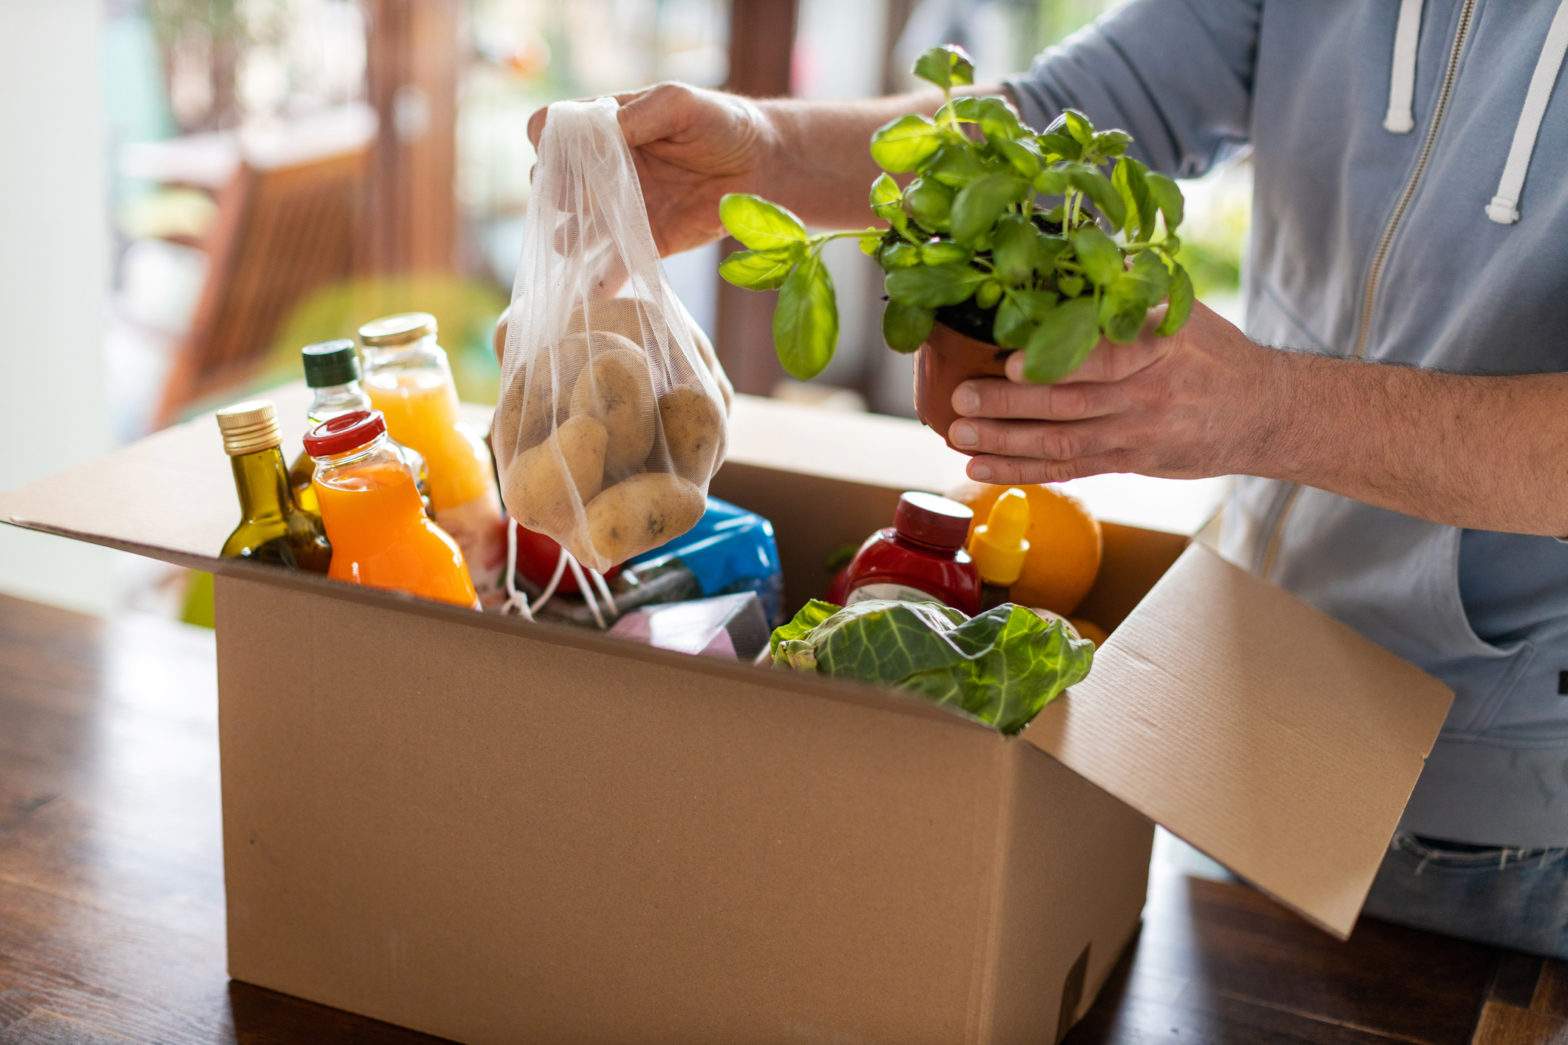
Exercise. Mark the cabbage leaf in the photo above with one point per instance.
(1001, 667)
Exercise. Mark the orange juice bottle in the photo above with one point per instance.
(381, 536)
(410, 382)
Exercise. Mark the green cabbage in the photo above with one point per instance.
(1002, 667)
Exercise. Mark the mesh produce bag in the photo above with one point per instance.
(613, 406)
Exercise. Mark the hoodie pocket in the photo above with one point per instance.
(1485, 674)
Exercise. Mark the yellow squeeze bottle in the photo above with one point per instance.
(998, 547)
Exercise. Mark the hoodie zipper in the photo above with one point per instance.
(1270, 549)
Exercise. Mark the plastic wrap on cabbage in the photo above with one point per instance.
(1002, 667)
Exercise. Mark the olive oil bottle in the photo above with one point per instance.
(272, 527)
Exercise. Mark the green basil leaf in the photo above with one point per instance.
(759, 269)
(930, 202)
(1013, 249)
(1121, 313)
(980, 203)
(1077, 126)
(1047, 248)
(1058, 143)
(1130, 179)
(989, 294)
(870, 241)
(905, 327)
(1126, 302)
(887, 202)
(1180, 307)
(758, 223)
(1062, 341)
(1101, 193)
(933, 286)
(944, 252)
(1051, 182)
(998, 119)
(900, 255)
(1151, 275)
(1110, 144)
(1167, 196)
(805, 322)
(884, 191)
(956, 165)
(1017, 315)
(946, 66)
(1023, 154)
(965, 108)
(902, 144)
(1070, 286)
(1100, 257)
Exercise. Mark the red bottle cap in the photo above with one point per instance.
(932, 520)
(344, 433)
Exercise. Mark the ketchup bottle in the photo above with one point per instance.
(920, 557)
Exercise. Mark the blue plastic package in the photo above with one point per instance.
(729, 550)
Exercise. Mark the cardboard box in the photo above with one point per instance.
(494, 831)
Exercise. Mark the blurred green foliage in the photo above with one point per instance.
(466, 309)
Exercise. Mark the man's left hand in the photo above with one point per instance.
(1185, 406)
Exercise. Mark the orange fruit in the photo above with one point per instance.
(1087, 629)
(1064, 545)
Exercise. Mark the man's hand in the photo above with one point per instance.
(1488, 453)
(690, 146)
(1184, 406)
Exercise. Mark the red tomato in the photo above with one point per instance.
(536, 558)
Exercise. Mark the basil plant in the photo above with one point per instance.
(1041, 241)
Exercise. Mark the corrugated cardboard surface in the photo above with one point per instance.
(1072, 888)
(1265, 734)
(517, 840)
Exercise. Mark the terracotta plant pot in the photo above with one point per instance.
(946, 360)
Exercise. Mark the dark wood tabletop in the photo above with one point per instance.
(111, 891)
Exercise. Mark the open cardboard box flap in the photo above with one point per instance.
(1262, 732)
(1272, 738)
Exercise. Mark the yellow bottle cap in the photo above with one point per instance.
(998, 546)
(248, 427)
(402, 329)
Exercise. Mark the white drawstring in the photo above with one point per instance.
(1402, 78)
(517, 600)
(1504, 208)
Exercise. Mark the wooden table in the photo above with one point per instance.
(111, 891)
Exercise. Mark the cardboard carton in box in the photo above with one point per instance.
(495, 831)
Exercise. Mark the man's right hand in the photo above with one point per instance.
(690, 146)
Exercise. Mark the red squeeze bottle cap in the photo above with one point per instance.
(932, 520)
(344, 433)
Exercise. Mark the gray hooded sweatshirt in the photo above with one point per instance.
(1410, 207)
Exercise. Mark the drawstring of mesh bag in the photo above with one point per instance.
(593, 587)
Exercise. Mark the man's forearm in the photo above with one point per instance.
(822, 168)
(1480, 452)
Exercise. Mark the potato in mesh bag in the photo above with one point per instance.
(613, 410)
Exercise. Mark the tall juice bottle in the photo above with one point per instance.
(410, 382)
(381, 536)
(272, 527)
(332, 375)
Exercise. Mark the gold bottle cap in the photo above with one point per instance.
(248, 427)
(402, 329)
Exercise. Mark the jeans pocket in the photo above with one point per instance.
(1450, 856)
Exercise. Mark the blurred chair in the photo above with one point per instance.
(283, 230)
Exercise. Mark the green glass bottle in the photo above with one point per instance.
(332, 374)
(272, 527)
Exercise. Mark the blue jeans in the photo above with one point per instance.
(1514, 898)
